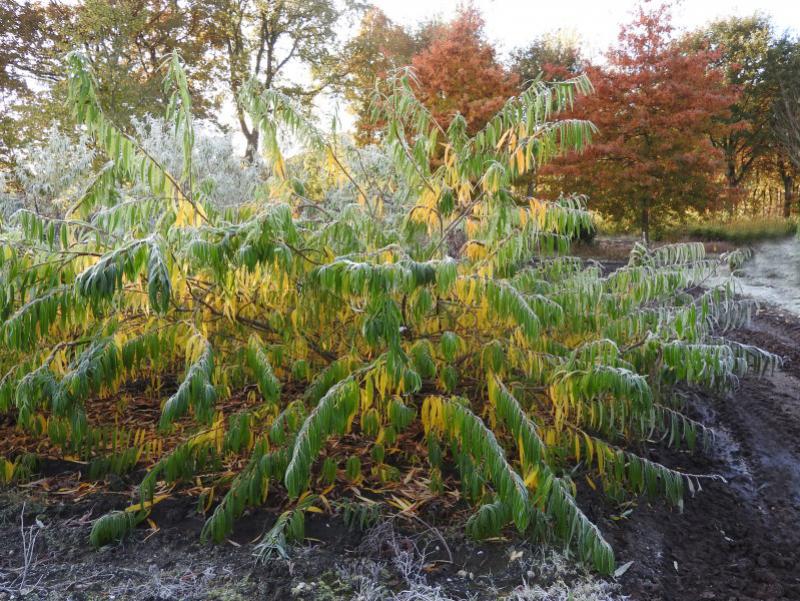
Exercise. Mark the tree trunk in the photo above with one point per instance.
(251, 135)
(788, 195)
(645, 221)
(787, 179)
(252, 144)
(730, 173)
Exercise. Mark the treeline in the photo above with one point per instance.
(688, 124)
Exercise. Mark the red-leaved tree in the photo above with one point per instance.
(459, 73)
(655, 102)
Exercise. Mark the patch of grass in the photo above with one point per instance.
(739, 231)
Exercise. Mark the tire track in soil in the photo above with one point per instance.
(737, 540)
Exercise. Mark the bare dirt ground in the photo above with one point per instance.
(736, 540)
(48, 557)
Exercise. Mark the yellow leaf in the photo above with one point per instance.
(144, 505)
(589, 447)
(532, 479)
(367, 394)
(401, 504)
(209, 500)
(519, 158)
(7, 470)
(383, 383)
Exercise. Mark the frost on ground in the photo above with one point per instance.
(47, 558)
(581, 587)
(403, 576)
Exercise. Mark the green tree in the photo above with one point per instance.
(554, 55)
(741, 47)
(28, 46)
(126, 43)
(784, 124)
(30, 49)
(787, 121)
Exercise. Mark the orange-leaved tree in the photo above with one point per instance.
(656, 101)
(459, 73)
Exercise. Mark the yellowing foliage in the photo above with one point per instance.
(503, 357)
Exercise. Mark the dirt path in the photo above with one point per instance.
(740, 540)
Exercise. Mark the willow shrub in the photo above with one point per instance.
(460, 324)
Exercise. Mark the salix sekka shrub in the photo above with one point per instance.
(437, 313)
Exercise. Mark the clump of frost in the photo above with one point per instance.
(53, 174)
(565, 582)
(547, 576)
(221, 174)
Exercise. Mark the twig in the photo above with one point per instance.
(19, 586)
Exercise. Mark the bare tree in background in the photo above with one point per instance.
(787, 123)
(271, 42)
(786, 117)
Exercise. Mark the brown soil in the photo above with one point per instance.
(736, 540)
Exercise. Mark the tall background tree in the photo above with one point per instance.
(290, 46)
(786, 114)
(456, 69)
(554, 55)
(379, 47)
(784, 64)
(742, 51)
(460, 73)
(29, 66)
(656, 102)
(760, 65)
(126, 43)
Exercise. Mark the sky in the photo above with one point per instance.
(596, 23)
(513, 23)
